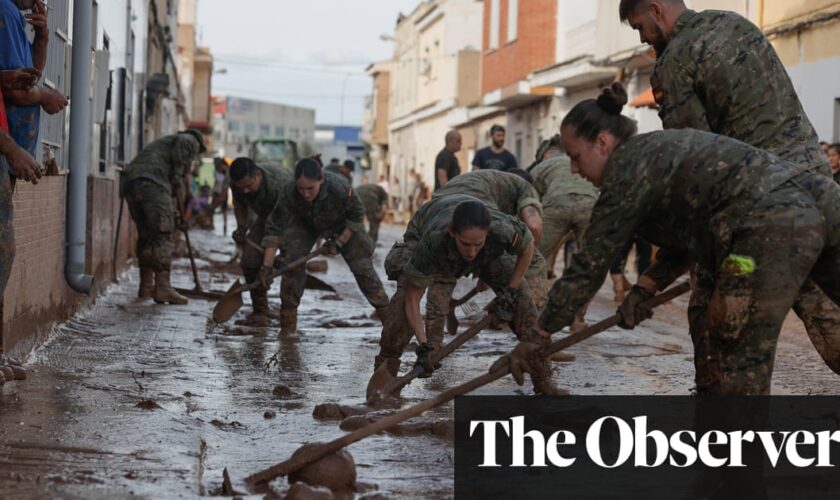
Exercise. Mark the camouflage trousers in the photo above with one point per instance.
(559, 220)
(153, 212)
(396, 333)
(298, 240)
(374, 218)
(737, 309)
(252, 259)
(7, 230)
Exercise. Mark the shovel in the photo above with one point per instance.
(312, 283)
(315, 453)
(451, 319)
(232, 300)
(382, 384)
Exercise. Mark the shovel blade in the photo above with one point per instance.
(228, 304)
(313, 283)
(378, 382)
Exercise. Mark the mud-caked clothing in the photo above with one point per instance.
(567, 201)
(7, 230)
(151, 180)
(740, 213)
(375, 200)
(429, 255)
(260, 205)
(509, 194)
(296, 224)
(720, 73)
(336, 169)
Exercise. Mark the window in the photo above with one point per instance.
(279, 132)
(518, 148)
(233, 127)
(265, 130)
(250, 129)
(513, 20)
(293, 133)
(494, 24)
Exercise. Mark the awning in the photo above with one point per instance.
(644, 100)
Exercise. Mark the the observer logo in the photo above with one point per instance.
(643, 447)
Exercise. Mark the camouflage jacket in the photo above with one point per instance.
(373, 197)
(336, 207)
(165, 161)
(264, 200)
(720, 73)
(336, 169)
(683, 190)
(555, 182)
(433, 253)
(508, 193)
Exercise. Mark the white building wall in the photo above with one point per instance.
(818, 86)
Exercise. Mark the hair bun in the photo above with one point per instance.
(613, 98)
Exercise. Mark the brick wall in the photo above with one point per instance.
(534, 47)
(37, 295)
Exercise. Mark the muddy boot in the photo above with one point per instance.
(147, 283)
(392, 364)
(578, 324)
(544, 382)
(620, 287)
(19, 373)
(259, 301)
(2, 379)
(164, 292)
(288, 322)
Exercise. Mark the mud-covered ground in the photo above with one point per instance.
(137, 399)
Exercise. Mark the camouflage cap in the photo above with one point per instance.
(544, 146)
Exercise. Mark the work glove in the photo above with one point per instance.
(266, 276)
(523, 359)
(503, 306)
(239, 235)
(333, 245)
(424, 359)
(633, 311)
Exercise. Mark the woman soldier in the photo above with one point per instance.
(755, 225)
(459, 235)
(318, 204)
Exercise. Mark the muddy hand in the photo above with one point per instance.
(424, 359)
(633, 309)
(522, 360)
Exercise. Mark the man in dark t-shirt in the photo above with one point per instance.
(495, 156)
(446, 164)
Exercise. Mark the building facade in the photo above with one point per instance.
(238, 121)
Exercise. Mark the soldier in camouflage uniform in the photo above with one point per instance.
(344, 169)
(154, 186)
(375, 200)
(318, 204)
(509, 193)
(453, 236)
(717, 71)
(759, 226)
(256, 191)
(567, 202)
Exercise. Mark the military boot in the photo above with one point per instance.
(13, 366)
(147, 283)
(259, 302)
(391, 364)
(164, 292)
(544, 382)
(288, 322)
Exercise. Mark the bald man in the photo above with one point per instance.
(446, 163)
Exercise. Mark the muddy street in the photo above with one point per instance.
(134, 398)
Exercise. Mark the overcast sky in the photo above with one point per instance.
(299, 52)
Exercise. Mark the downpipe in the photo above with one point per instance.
(80, 111)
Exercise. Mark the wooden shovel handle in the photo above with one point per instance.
(316, 453)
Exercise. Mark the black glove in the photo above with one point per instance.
(180, 225)
(503, 306)
(632, 310)
(333, 245)
(424, 360)
(239, 235)
(266, 276)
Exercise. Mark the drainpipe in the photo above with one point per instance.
(80, 109)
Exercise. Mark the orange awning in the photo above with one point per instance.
(644, 100)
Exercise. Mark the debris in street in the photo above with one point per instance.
(233, 425)
(440, 427)
(336, 471)
(284, 392)
(269, 414)
(335, 411)
(148, 404)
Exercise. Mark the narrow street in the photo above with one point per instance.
(136, 399)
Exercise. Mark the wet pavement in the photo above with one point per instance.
(137, 399)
